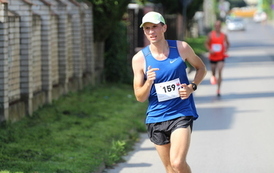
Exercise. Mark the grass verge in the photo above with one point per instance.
(197, 44)
(76, 133)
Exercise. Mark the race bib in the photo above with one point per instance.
(216, 47)
(168, 90)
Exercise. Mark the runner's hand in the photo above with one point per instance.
(151, 74)
(184, 91)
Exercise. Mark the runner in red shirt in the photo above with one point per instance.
(217, 44)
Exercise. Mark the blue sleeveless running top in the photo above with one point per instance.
(169, 69)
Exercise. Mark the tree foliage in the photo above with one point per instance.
(237, 3)
(175, 6)
(116, 49)
(267, 7)
(107, 13)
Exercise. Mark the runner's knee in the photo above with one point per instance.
(178, 165)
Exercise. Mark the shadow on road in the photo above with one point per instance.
(215, 118)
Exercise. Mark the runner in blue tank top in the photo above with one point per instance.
(160, 77)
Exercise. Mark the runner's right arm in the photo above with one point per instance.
(140, 85)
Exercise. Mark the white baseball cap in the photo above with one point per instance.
(152, 17)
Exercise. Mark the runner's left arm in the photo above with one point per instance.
(189, 55)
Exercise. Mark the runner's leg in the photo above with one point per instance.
(180, 141)
(220, 66)
(213, 68)
(213, 80)
(164, 153)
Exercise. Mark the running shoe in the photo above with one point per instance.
(218, 93)
(213, 80)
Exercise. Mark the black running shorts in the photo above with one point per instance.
(159, 133)
(215, 62)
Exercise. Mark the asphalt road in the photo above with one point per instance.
(234, 133)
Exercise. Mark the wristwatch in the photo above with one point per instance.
(194, 86)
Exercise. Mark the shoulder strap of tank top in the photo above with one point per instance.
(212, 34)
(172, 43)
(173, 47)
(146, 51)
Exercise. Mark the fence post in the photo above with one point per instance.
(77, 56)
(4, 100)
(63, 47)
(87, 22)
(43, 9)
